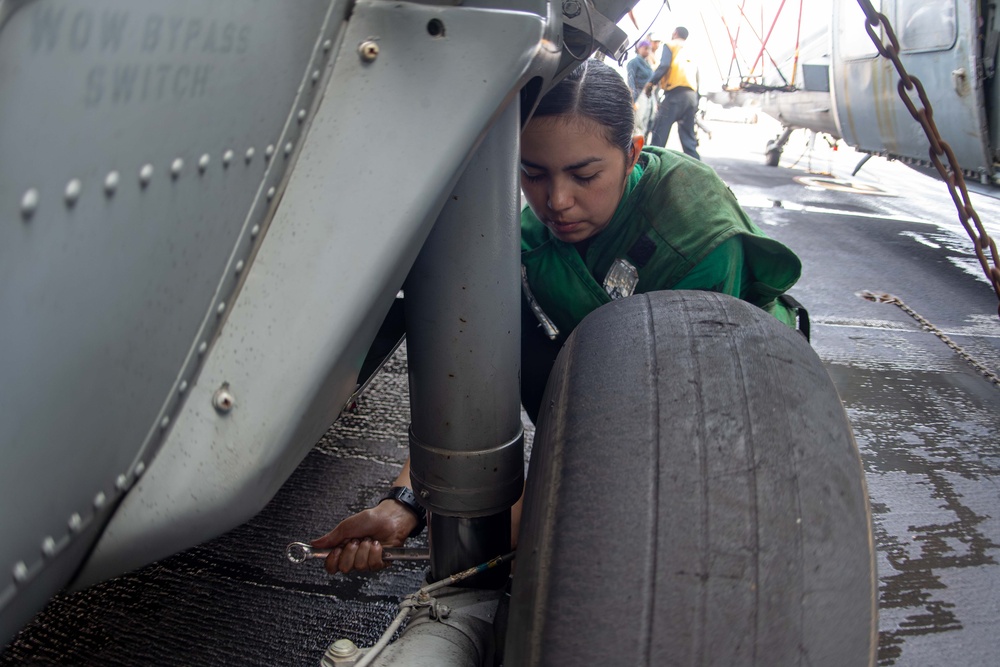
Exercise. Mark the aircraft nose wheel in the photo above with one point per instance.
(695, 496)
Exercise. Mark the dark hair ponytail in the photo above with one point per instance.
(593, 90)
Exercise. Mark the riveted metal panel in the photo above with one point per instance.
(142, 146)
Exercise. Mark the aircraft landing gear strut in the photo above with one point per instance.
(772, 151)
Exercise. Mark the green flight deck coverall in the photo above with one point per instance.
(680, 226)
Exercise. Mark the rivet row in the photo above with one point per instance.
(31, 198)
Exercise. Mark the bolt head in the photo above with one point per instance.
(571, 8)
(368, 50)
(342, 648)
(223, 401)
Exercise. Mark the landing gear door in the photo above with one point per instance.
(939, 44)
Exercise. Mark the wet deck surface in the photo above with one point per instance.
(926, 422)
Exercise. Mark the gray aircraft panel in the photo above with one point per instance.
(939, 46)
(125, 192)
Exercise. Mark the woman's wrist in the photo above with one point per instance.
(403, 496)
(401, 520)
(404, 522)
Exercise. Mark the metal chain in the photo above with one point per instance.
(883, 297)
(954, 177)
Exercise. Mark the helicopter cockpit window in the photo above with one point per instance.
(854, 41)
(925, 25)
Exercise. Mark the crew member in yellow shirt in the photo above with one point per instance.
(677, 75)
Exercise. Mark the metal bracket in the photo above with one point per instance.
(609, 37)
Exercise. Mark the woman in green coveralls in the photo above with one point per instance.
(596, 196)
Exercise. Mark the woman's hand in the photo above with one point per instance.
(356, 543)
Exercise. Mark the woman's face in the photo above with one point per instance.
(572, 176)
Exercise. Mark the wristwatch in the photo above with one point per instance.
(404, 495)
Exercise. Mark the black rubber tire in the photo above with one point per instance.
(772, 158)
(695, 497)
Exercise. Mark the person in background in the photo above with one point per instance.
(597, 200)
(678, 76)
(638, 68)
(654, 48)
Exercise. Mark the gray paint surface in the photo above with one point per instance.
(134, 147)
(869, 111)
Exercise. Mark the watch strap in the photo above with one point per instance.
(405, 496)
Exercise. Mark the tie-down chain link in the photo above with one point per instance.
(883, 297)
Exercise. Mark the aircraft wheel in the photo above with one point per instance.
(695, 496)
(772, 157)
